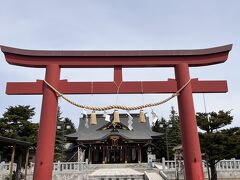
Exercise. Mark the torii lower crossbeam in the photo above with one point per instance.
(65, 87)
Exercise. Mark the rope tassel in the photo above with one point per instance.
(142, 118)
(93, 120)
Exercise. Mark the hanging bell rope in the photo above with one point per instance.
(116, 118)
(127, 108)
(93, 118)
(142, 117)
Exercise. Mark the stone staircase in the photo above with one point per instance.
(116, 174)
(132, 171)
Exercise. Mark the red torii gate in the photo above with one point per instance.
(53, 61)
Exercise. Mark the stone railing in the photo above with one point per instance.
(5, 169)
(6, 166)
(69, 166)
(228, 164)
(226, 169)
(232, 164)
(58, 167)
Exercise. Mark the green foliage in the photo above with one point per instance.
(212, 121)
(16, 123)
(159, 145)
(217, 144)
(64, 127)
(174, 132)
(232, 143)
(163, 147)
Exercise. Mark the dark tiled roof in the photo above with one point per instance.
(6, 140)
(141, 131)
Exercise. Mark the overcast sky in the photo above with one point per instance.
(118, 25)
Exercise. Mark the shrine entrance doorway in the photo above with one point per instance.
(115, 155)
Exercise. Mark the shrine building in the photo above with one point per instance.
(110, 142)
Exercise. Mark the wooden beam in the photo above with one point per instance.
(127, 87)
(100, 59)
(12, 160)
(26, 163)
(118, 75)
(103, 160)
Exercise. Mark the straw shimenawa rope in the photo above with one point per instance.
(122, 107)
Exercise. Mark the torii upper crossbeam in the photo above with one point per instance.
(53, 61)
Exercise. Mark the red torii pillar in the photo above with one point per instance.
(181, 60)
(190, 141)
(47, 129)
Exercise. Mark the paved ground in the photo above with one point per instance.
(153, 176)
(116, 172)
(125, 172)
(159, 166)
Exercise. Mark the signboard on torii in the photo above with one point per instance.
(53, 61)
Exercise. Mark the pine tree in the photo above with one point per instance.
(163, 147)
(159, 145)
(214, 141)
(64, 127)
(174, 132)
(16, 123)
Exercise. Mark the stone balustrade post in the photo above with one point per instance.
(163, 163)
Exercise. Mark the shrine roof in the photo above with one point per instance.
(6, 140)
(141, 131)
